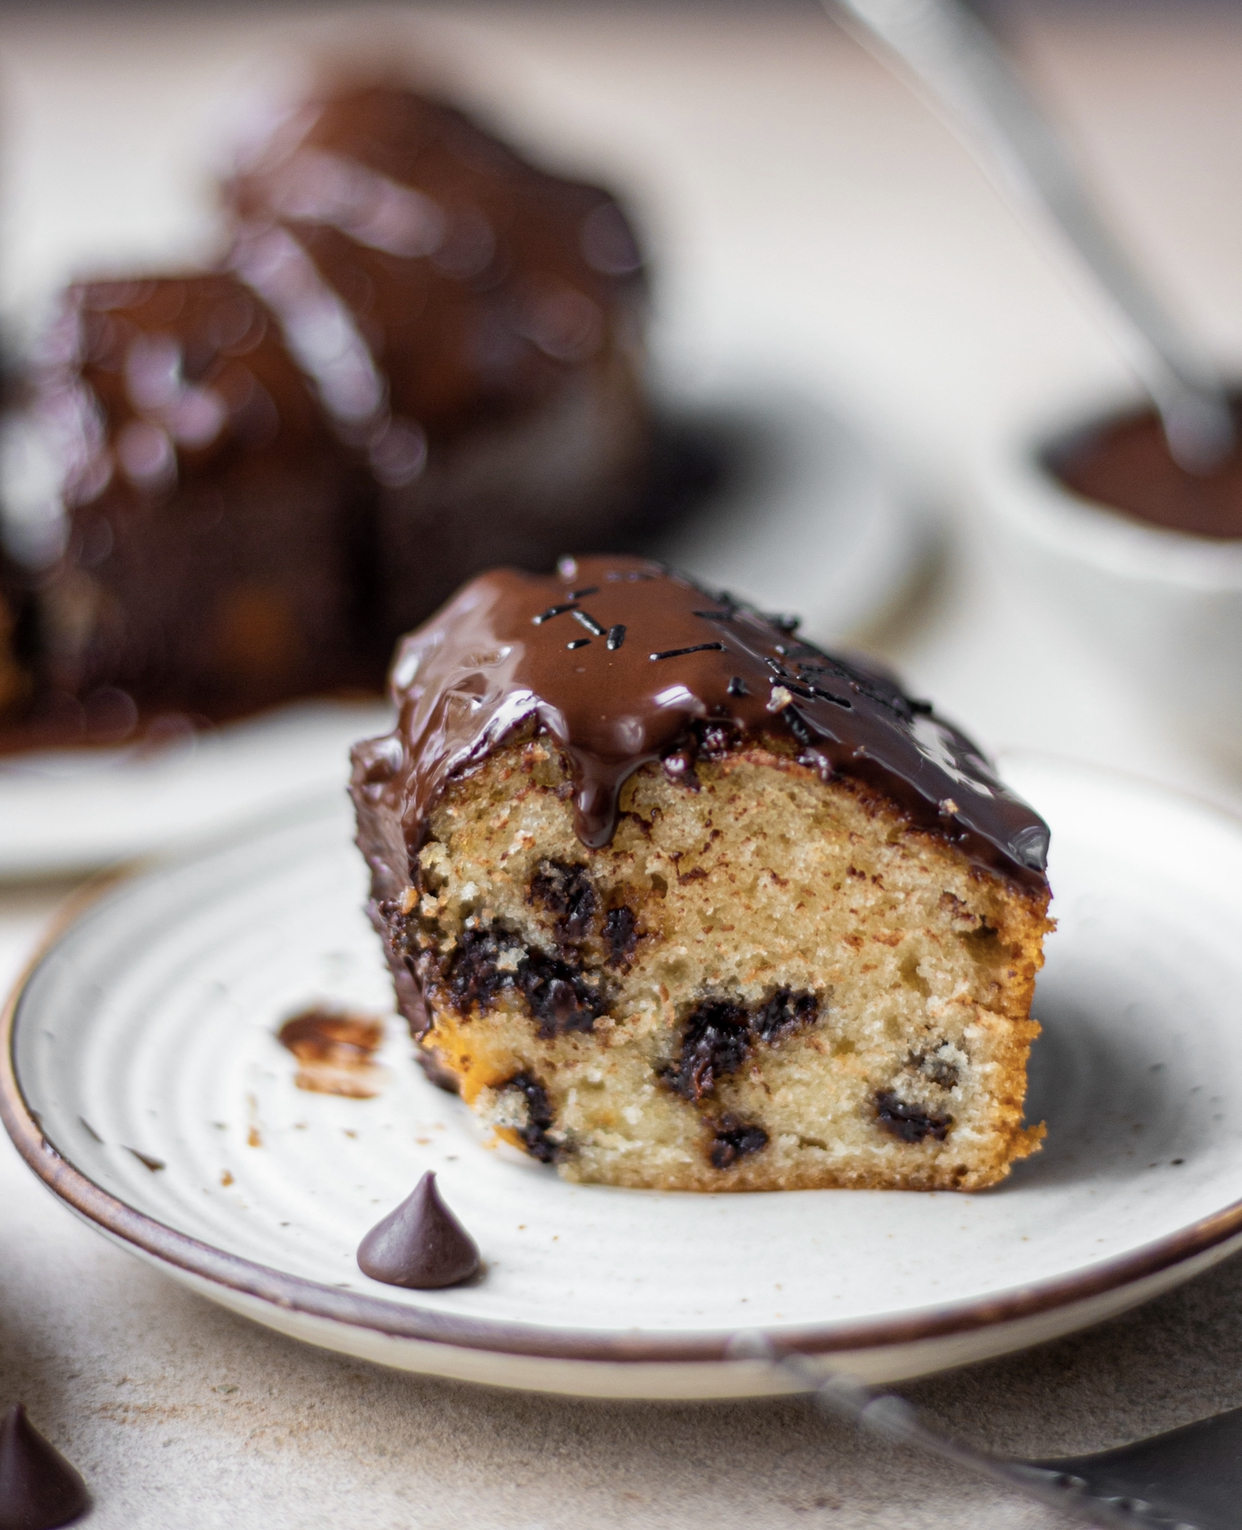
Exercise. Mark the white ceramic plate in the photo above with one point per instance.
(812, 520)
(147, 1027)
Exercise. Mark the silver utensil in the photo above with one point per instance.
(1187, 1479)
(961, 65)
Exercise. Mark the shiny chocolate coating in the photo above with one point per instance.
(421, 1245)
(464, 282)
(39, 1490)
(622, 662)
(473, 324)
(1126, 464)
(216, 529)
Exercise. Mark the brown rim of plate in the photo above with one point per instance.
(291, 1293)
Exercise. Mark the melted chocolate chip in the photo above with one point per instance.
(620, 936)
(421, 1245)
(473, 974)
(715, 1042)
(480, 670)
(568, 893)
(558, 995)
(784, 1012)
(910, 1123)
(539, 1117)
(557, 992)
(38, 1488)
(719, 1035)
(734, 1139)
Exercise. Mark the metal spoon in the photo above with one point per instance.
(959, 61)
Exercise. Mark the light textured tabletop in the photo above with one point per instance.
(808, 217)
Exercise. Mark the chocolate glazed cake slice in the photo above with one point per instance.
(484, 323)
(680, 901)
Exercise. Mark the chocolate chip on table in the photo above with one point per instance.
(910, 1123)
(39, 1489)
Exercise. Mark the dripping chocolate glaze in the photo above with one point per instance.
(618, 659)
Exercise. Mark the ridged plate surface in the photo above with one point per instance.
(149, 1028)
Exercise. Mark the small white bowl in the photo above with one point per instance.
(1164, 606)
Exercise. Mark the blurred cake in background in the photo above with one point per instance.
(421, 356)
(217, 553)
(474, 323)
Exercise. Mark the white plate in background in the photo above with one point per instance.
(148, 1028)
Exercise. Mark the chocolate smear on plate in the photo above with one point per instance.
(38, 1488)
(335, 1050)
(421, 1245)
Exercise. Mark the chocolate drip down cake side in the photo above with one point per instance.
(678, 901)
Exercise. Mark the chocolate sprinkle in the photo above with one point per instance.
(38, 1488)
(421, 1245)
(477, 672)
(616, 636)
(579, 643)
(677, 653)
(589, 622)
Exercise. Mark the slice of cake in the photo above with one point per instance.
(680, 901)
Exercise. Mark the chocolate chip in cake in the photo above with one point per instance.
(559, 997)
(566, 891)
(734, 1139)
(715, 1042)
(938, 1067)
(539, 1117)
(910, 1123)
(473, 974)
(620, 936)
(784, 1012)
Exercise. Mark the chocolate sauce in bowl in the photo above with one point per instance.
(1125, 464)
(621, 663)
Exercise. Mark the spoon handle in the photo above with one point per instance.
(959, 62)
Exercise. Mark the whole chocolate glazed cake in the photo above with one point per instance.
(676, 899)
(474, 323)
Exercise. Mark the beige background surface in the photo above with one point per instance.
(807, 215)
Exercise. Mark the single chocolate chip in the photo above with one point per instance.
(539, 1117)
(567, 892)
(620, 936)
(734, 1139)
(421, 1245)
(784, 1012)
(910, 1123)
(38, 1488)
(715, 1042)
(558, 995)
(472, 973)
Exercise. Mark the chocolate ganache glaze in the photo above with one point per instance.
(623, 662)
